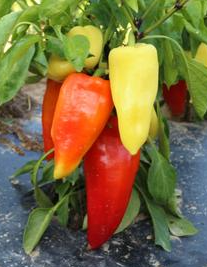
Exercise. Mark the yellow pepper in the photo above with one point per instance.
(154, 125)
(59, 69)
(95, 38)
(201, 54)
(133, 73)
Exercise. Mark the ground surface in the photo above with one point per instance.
(134, 247)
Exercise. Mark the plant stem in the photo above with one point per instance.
(28, 24)
(151, 6)
(108, 32)
(33, 1)
(142, 4)
(134, 28)
(99, 72)
(60, 202)
(22, 4)
(37, 166)
(106, 37)
(172, 10)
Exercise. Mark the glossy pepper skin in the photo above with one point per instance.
(133, 73)
(59, 69)
(83, 108)
(48, 109)
(175, 97)
(110, 171)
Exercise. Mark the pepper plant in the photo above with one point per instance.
(109, 64)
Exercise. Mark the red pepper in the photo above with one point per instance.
(83, 108)
(110, 171)
(48, 109)
(175, 97)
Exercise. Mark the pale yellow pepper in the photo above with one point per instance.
(201, 54)
(154, 125)
(59, 69)
(133, 73)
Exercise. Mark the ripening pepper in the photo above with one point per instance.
(48, 109)
(176, 97)
(59, 69)
(154, 125)
(83, 108)
(201, 54)
(110, 172)
(133, 73)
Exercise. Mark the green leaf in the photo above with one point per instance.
(118, 12)
(204, 6)
(38, 222)
(62, 187)
(42, 199)
(193, 45)
(13, 76)
(181, 226)
(117, 39)
(76, 50)
(161, 177)
(199, 34)
(54, 46)
(5, 6)
(154, 11)
(33, 79)
(47, 173)
(17, 51)
(101, 12)
(164, 144)
(34, 178)
(27, 167)
(193, 12)
(197, 82)
(193, 72)
(65, 20)
(173, 204)
(133, 4)
(85, 222)
(74, 176)
(30, 14)
(7, 24)
(50, 8)
(63, 212)
(142, 5)
(170, 70)
(160, 224)
(131, 212)
(39, 62)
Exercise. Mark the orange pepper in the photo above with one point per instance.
(83, 108)
(48, 109)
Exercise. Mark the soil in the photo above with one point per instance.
(19, 107)
(12, 113)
